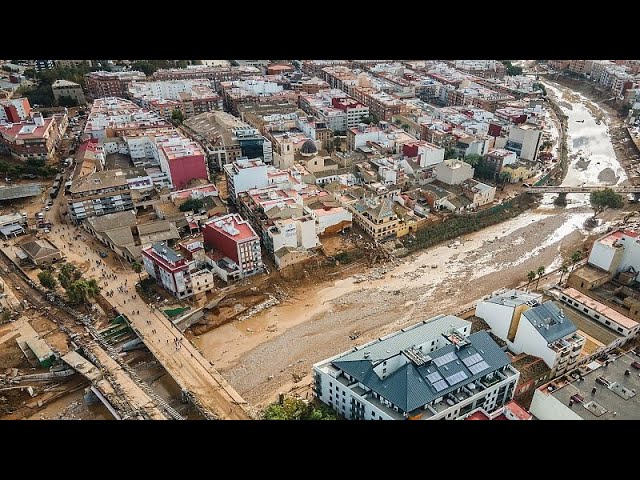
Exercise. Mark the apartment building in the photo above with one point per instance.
(226, 138)
(335, 108)
(180, 276)
(111, 84)
(72, 90)
(35, 138)
(381, 104)
(216, 74)
(14, 110)
(243, 175)
(234, 247)
(191, 97)
(524, 140)
(434, 370)
(99, 193)
(375, 216)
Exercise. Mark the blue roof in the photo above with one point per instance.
(412, 386)
(549, 321)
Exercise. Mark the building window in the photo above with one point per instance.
(586, 310)
(597, 316)
(620, 329)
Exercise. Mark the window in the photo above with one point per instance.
(597, 316)
(586, 310)
(607, 322)
(620, 329)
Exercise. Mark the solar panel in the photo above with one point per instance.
(456, 378)
(440, 385)
(475, 358)
(443, 360)
(434, 377)
(479, 367)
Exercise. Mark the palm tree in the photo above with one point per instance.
(531, 276)
(575, 258)
(137, 268)
(564, 268)
(539, 273)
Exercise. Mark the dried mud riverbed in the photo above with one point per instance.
(269, 352)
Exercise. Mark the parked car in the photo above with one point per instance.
(103, 254)
(636, 365)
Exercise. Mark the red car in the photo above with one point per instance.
(636, 365)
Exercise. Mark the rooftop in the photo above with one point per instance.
(613, 237)
(20, 191)
(233, 226)
(514, 298)
(550, 321)
(99, 181)
(615, 391)
(601, 308)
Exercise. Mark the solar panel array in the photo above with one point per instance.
(478, 367)
(443, 360)
(440, 385)
(456, 378)
(434, 377)
(475, 358)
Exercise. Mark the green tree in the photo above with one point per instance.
(80, 291)
(575, 258)
(604, 199)
(337, 143)
(405, 126)
(540, 274)
(473, 159)
(177, 117)
(505, 177)
(138, 269)
(397, 121)
(296, 409)
(531, 276)
(68, 274)
(564, 268)
(192, 205)
(47, 280)
(67, 101)
(368, 119)
(511, 69)
(450, 152)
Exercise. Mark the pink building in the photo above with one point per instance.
(183, 160)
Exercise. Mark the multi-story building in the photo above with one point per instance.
(41, 65)
(36, 138)
(182, 160)
(175, 272)
(216, 74)
(72, 63)
(381, 104)
(616, 252)
(14, 110)
(524, 140)
(111, 84)
(453, 171)
(335, 108)
(268, 89)
(98, 194)
(547, 333)
(191, 97)
(499, 158)
(433, 370)
(65, 88)
(226, 138)
(375, 216)
(426, 154)
(338, 76)
(243, 175)
(234, 247)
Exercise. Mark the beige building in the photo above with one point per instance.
(453, 171)
(376, 217)
(65, 88)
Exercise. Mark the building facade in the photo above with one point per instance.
(65, 88)
(434, 370)
(111, 84)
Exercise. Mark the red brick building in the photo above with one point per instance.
(231, 237)
(111, 84)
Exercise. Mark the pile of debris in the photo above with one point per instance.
(268, 303)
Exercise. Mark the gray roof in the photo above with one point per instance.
(113, 221)
(412, 386)
(20, 191)
(39, 248)
(515, 298)
(549, 321)
(387, 347)
(163, 249)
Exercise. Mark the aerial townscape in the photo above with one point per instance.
(320, 239)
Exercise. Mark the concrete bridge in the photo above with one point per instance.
(581, 189)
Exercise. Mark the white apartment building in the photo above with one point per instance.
(433, 370)
(616, 252)
(544, 331)
(245, 174)
(524, 140)
(453, 172)
(503, 310)
(295, 232)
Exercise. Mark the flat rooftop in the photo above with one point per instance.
(612, 399)
(601, 308)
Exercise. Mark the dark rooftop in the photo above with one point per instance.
(550, 321)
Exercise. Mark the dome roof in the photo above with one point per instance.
(308, 148)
